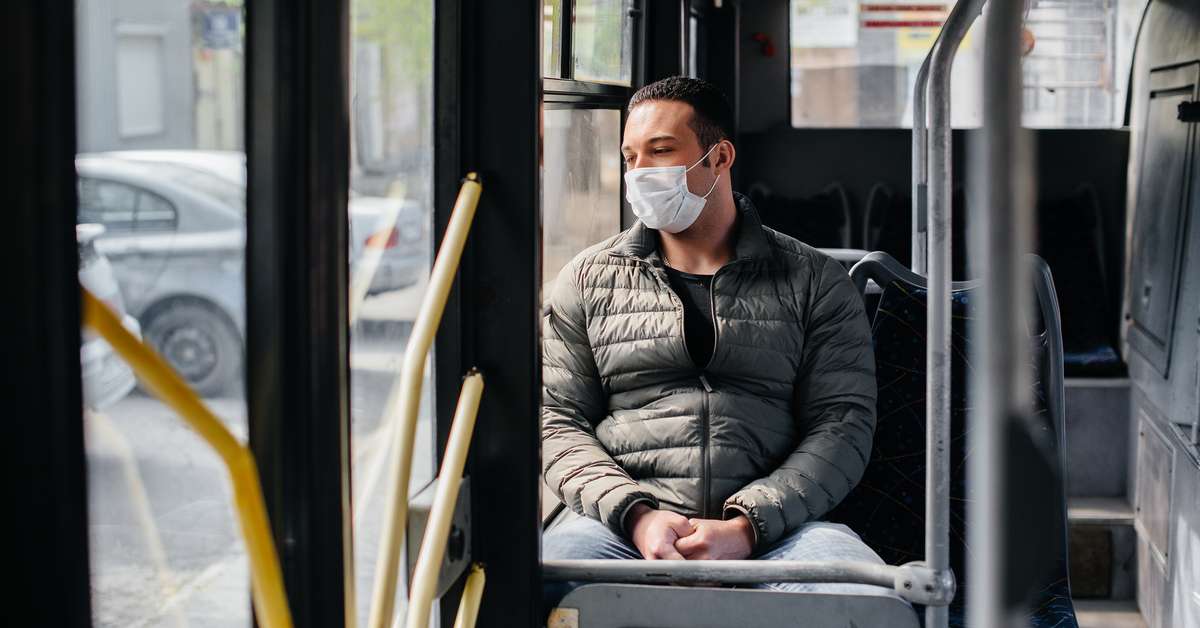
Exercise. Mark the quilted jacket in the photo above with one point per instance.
(777, 426)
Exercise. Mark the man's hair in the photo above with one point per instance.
(712, 120)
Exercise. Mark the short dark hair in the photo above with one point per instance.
(712, 120)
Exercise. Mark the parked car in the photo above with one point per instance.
(175, 234)
(106, 377)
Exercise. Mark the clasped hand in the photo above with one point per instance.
(665, 535)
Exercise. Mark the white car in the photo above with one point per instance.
(176, 235)
(106, 377)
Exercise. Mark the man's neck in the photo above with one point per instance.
(708, 244)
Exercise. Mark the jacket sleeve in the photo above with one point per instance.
(834, 402)
(574, 463)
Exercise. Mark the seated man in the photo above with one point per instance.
(709, 386)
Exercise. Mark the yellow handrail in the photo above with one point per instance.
(468, 606)
(395, 514)
(433, 546)
(266, 582)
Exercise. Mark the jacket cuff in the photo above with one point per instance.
(763, 512)
(733, 510)
(614, 516)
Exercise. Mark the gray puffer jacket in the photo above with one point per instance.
(777, 426)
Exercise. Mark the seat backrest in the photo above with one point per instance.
(887, 507)
(821, 220)
(1071, 240)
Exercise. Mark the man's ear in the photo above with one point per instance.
(725, 155)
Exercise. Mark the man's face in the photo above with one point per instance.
(657, 135)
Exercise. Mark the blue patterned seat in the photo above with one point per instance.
(887, 508)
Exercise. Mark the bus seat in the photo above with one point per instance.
(1070, 239)
(639, 605)
(887, 225)
(821, 220)
(887, 507)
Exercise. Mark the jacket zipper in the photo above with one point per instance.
(705, 482)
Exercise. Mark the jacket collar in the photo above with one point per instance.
(641, 242)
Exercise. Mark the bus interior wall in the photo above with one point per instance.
(800, 162)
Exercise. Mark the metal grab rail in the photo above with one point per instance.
(1003, 157)
(395, 516)
(468, 607)
(433, 545)
(914, 582)
(939, 260)
(954, 26)
(266, 582)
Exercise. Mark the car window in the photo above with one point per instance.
(122, 207)
(205, 183)
(154, 212)
(108, 203)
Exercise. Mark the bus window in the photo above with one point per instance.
(582, 183)
(602, 41)
(854, 62)
(160, 136)
(391, 247)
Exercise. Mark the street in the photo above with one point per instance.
(165, 545)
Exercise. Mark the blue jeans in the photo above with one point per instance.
(816, 541)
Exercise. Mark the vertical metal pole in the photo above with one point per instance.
(937, 381)
(920, 167)
(1004, 160)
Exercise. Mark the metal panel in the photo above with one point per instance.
(1155, 462)
(641, 606)
(1185, 525)
(42, 394)
(1160, 222)
(296, 319)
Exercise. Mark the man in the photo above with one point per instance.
(709, 386)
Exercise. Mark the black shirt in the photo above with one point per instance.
(695, 291)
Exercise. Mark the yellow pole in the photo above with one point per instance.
(433, 546)
(266, 582)
(395, 514)
(468, 606)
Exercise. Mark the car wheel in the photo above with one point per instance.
(200, 344)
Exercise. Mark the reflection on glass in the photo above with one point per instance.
(1071, 72)
(854, 64)
(552, 38)
(390, 251)
(158, 80)
(582, 184)
(602, 41)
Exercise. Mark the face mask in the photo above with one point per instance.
(660, 196)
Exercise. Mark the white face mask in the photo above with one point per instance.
(661, 199)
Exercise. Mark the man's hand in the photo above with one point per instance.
(655, 532)
(713, 539)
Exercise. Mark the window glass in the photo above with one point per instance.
(552, 38)
(602, 41)
(154, 212)
(107, 203)
(156, 81)
(391, 247)
(582, 183)
(228, 189)
(854, 63)
(1071, 72)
